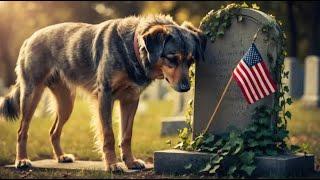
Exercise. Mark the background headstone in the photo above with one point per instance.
(296, 77)
(156, 91)
(312, 82)
(170, 125)
(221, 57)
(2, 88)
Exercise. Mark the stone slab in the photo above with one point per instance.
(77, 165)
(174, 162)
(171, 125)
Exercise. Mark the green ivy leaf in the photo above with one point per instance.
(265, 142)
(220, 33)
(286, 89)
(248, 169)
(214, 169)
(232, 169)
(271, 152)
(206, 169)
(289, 101)
(244, 5)
(288, 114)
(295, 148)
(216, 23)
(253, 144)
(178, 146)
(217, 160)
(189, 166)
(247, 157)
(238, 149)
(282, 134)
(255, 6)
(210, 139)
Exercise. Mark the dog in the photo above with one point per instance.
(114, 60)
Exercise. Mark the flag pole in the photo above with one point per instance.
(218, 105)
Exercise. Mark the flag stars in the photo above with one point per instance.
(252, 56)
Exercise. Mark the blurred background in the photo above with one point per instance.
(18, 20)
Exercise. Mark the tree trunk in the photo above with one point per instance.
(292, 30)
(314, 37)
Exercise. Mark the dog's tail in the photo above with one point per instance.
(10, 104)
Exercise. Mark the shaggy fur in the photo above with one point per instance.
(100, 59)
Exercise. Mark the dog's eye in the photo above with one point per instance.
(171, 61)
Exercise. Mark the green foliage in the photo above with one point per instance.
(233, 154)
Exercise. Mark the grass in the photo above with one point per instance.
(304, 128)
(78, 137)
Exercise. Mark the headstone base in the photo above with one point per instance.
(176, 161)
(310, 102)
(170, 125)
(77, 165)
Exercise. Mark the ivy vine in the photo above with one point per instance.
(233, 154)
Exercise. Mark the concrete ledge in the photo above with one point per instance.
(174, 162)
(170, 125)
(77, 165)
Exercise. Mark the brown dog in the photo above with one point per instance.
(116, 59)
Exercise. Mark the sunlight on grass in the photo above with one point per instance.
(305, 127)
(78, 137)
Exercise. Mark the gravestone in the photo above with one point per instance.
(221, 57)
(296, 77)
(2, 88)
(211, 77)
(311, 94)
(156, 91)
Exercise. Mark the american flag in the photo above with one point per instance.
(253, 76)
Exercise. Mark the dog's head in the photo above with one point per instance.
(171, 50)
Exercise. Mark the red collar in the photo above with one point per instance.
(136, 47)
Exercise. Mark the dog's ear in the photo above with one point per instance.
(154, 41)
(200, 39)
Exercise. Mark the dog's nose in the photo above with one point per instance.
(184, 87)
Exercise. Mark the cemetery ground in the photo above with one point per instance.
(77, 138)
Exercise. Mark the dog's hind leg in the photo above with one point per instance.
(64, 96)
(30, 96)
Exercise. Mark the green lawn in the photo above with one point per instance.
(78, 137)
(305, 128)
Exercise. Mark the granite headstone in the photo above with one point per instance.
(212, 75)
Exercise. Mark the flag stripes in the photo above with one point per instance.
(253, 76)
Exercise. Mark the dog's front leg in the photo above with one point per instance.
(105, 103)
(128, 111)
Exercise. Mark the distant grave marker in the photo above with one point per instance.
(295, 78)
(311, 96)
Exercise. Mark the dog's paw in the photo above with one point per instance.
(115, 168)
(136, 164)
(66, 158)
(23, 164)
